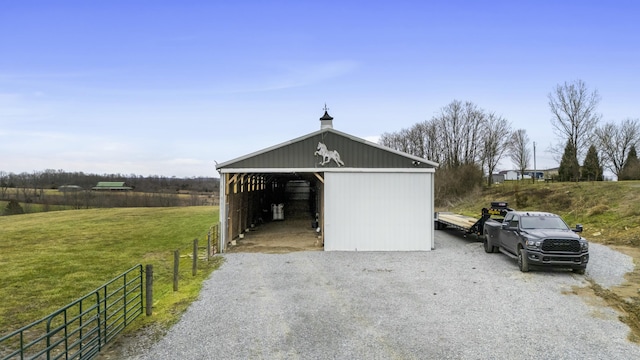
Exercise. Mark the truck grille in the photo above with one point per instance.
(561, 245)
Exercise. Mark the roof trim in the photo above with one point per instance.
(315, 170)
(354, 138)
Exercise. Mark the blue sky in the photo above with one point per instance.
(169, 87)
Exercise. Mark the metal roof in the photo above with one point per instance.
(110, 183)
(341, 151)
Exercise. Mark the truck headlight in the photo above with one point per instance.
(584, 246)
(533, 244)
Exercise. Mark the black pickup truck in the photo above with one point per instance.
(537, 238)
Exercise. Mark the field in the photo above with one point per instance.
(49, 259)
(42, 200)
(609, 212)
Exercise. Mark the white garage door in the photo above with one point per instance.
(378, 211)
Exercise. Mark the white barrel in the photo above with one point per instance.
(278, 211)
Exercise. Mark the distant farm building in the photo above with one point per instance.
(510, 174)
(528, 174)
(112, 186)
(70, 188)
(497, 178)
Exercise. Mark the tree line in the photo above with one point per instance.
(53, 179)
(28, 188)
(469, 142)
(461, 135)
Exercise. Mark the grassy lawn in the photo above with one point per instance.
(52, 258)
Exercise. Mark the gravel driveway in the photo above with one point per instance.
(456, 302)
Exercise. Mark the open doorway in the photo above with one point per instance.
(275, 213)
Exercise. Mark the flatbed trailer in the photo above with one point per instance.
(456, 221)
(471, 225)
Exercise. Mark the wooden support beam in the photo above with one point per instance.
(230, 207)
(227, 181)
(231, 179)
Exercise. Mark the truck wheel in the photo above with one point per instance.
(488, 246)
(523, 262)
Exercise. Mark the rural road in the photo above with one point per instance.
(456, 302)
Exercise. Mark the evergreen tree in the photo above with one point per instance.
(569, 167)
(591, 169)
(631, 168)
(13, 208)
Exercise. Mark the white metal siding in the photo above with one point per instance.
(378, 211)
(223, 216)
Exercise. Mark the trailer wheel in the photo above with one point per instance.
(488, 245)
(523, 262)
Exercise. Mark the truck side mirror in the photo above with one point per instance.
(578, 228)
(505, 225)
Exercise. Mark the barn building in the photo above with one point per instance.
(361, 196)
(111, 186)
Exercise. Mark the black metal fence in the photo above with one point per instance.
(80, 329)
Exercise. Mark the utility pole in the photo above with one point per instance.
(535, 170)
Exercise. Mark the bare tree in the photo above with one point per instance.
(462, 133)
(419, 140)
(460, 125)
(430, 140)
(415, 141)
(495, 144)
(574, 115)
(4, 184)
(615, 141)
(397, 141)
(519, 151)
(389, 140)
(474, 125)
(449, 122)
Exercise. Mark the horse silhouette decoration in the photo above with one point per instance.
(328, 155)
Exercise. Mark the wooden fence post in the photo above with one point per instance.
(216, 240)
(176, 263)
(209, 245)
(194, 268)
(149, 289)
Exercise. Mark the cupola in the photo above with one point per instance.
(326, 121)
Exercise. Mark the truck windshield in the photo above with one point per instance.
(543, 222)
